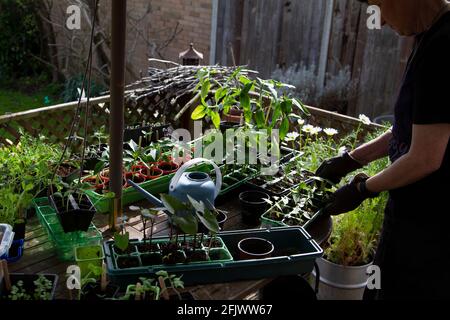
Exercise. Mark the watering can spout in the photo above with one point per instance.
(154, 200)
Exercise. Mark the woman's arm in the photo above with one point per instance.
(373, 150)
(428, 147)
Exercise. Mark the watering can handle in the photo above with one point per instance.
(194, 162)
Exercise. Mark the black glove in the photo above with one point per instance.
(335, 169)
(350, 196)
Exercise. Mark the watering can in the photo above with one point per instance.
(198, 185)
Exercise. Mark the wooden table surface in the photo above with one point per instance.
(40, 255)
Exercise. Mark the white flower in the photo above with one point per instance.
(316, 130)
(308, 128)
(364, 119)
(292, 136)
(301, 122)
(330, 132)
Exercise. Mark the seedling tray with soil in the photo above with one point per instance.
(26, 288)
(294, 253)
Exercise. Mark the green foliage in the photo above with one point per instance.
(18, 292)
(237, 92)
(25, 169)
(21, 38)
(43, 288)
(355, 234)
(72, 85)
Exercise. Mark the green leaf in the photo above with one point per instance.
(220, 93)
(259, 116)
(199, 113)
(172, 204)
(133, 145)
(121, 241)
(300, 106)
(209, 220)
(215, 117)
(284, 128)
(187, 223)
(286, 106)
(205, 90)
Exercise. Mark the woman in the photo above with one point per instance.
(414, 249)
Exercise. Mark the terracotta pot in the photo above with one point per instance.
(135, 177)
(151, 173)
(97, 184)
(168, 167)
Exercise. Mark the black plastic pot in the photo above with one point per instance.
(28, 284)
(77, 216)
(221, 219)
(253, 206)
(288, 288)
(92, 292)
(19, 230)
(255, 248)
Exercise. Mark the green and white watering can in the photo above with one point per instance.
(198, 185)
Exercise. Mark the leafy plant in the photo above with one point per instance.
(43, 288)
(174, 282)
(122, 238)
(18, 292)
(355, 234)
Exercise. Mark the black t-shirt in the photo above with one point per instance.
(424, 99)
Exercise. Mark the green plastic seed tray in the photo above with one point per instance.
(295, 253)
(130, 195)
(64, 242)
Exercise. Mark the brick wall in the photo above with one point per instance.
(150, 29)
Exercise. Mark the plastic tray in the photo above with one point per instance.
(28, 282)
(131, 195)
(6, 238)
(64, 242)
(295, 253)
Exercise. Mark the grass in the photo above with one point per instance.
(28, 97)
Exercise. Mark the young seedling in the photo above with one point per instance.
(174, 282)
(147, 215)
(43, 288)
(122, 238)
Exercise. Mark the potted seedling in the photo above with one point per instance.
(16, 286)
(94, 285)
(74, 209)
(170, 282)
(144, 290)
(147, 246)
(123, 248)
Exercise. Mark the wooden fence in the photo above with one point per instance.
(54, 122)
(329, 34)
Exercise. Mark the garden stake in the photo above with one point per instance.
(103, 281)
(4, 267)
(164, 292)
(137, 295)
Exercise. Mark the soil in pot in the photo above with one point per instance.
(151, 259)
(189, 244)
(147, 247)
(174, 258)
(255, 248)
(151, 173)
(127, 262)
(196, 256)
(168, 167)
(217, 255)
(131, 249)
(93, 292)
(253, 206)
(169, 247)
(214, 244)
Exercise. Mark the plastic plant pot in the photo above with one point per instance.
(150, 173)
(15, 252)
(255, 248)
(6, 238)
(74, 213)
(221, 219)
(89, 255)
(168, 167)
(253, 205)
(98, 184)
